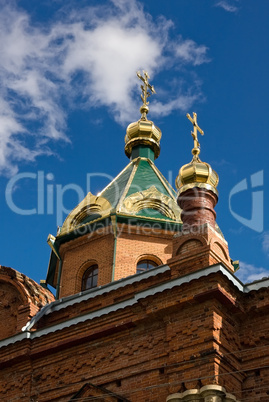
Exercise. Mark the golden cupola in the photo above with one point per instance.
(143, 134)
(196, 173)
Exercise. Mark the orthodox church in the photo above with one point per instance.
(147, 307)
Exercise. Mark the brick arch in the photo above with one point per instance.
(80, 272)
(21, 298)
(151, 257)
(25, 298)
(189, 245)
(12, 301)
(220, 248)
(29, 291)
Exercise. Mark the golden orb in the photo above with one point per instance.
(143, 132)
(197, 174)
(144, 109)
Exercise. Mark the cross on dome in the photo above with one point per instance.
(147, 91)
(193, 120)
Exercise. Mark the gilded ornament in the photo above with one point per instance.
(90, 205)
(151, 198)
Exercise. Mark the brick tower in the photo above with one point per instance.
(128, 227)
(200, 242)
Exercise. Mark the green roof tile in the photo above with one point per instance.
(144, 178)
(115, 189)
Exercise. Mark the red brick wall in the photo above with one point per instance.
(199, 248)
(143, 352)
(20, 299)
(79, 254)
(10, 300)
(141, 243)
(132, 245)
(205, 329)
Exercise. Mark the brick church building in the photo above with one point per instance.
(147, 306)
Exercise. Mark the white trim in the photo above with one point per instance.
(69, 301)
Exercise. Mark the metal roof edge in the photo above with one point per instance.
(91, 293)
(256, 285)
(15, 338)
(62, 303)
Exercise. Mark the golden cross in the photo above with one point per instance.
(145, 87)
(195, 128)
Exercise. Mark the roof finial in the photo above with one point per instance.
(196, 149)
(196, 174)
(145, 93)
(143, 137)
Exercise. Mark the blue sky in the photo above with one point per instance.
(69, 90)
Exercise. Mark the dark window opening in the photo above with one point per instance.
(145, 265)
(90, 276)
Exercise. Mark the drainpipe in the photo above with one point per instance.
(51, 242)
(114, 227)
(59, 278)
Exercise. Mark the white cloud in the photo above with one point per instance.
(110, 68)
(249, 273)
(88, 58)
(265, 243)
(189, 52)
(182, 102)
(227, 6)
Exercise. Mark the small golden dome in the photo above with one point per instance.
(143, 132)
(196, 173)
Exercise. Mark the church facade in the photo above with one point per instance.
(148, 306)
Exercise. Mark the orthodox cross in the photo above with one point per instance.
(193, 120)
(145, 93)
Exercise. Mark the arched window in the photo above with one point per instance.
(90, 276)
(145, 265)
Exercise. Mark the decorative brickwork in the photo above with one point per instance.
(198, 247)
(197, 207)
(91, 392)
(145, 346)
(21, 298)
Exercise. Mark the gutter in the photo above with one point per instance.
(54, 247)
(59, 278)
(114, 226)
